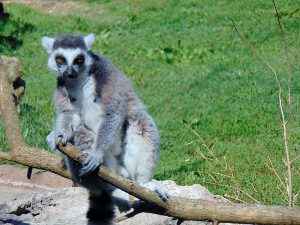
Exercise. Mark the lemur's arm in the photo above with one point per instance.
(106, 135)
(68, 118)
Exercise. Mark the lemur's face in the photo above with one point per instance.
(69, 56)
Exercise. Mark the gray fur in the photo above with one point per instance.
(69, 42)
(99, 112)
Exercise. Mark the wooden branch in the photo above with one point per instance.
(19, 151)
(183, 208)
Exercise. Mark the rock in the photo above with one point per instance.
(195, 191)
(14, 71)
(13, 68)
(68, 206)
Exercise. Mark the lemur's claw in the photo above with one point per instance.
(157, 189)
(62, 138)
(162, 194)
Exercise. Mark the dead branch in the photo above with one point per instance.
(283, 120)
(177, 207)
(19, 151)
(288, 63)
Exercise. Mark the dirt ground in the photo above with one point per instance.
(14, 182)
(59, 7)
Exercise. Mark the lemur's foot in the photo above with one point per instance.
(152, 185)
(123, 201)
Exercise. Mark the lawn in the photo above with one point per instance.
(214, 102)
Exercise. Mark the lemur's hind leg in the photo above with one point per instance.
(141, 155)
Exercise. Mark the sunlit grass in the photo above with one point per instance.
(196, 78)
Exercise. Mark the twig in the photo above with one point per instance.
(227, 168)
(275, 172)
(198, 135)
(235, 188)
(289, 176)
(298, 157)
(295, 171)
(235, 198)
(286, 52)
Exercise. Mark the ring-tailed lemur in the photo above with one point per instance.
(99, 112)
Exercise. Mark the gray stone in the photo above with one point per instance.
(65, 206)
(68, 206)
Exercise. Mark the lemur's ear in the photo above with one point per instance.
(89, 40)
(47, 43)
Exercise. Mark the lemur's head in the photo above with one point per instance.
(69, 55)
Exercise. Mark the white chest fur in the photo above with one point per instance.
(88, 104)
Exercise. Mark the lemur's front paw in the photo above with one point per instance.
(90, 164)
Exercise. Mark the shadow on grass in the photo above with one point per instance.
(9, 42)
(14, 29)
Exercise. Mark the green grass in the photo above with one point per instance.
(196, 78)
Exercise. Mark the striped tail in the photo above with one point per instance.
(101, 209)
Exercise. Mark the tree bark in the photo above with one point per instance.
(183, 208)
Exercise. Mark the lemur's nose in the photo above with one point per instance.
(70, 72)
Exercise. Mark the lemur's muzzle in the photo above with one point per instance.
(70, 72)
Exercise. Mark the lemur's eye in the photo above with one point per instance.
(79, 60)
(60, 59)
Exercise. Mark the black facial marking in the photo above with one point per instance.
(70, 72)
(79, 60)
(60, 81)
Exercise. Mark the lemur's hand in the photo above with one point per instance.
(91, 163)
(66, 126)
(54, 138)
(84, 139)
(63, 136)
